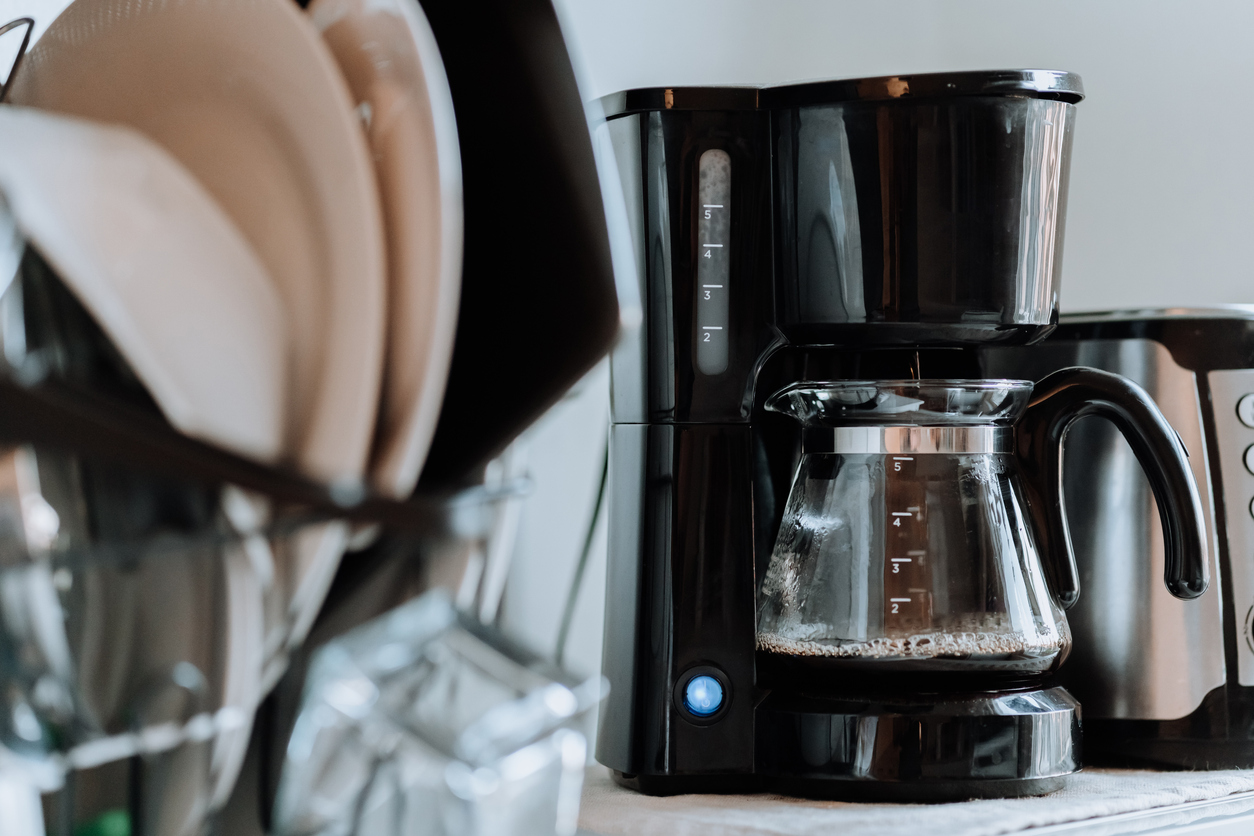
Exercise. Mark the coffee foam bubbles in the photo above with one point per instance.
(929, 645)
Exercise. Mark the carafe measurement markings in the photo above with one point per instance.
(906, 574)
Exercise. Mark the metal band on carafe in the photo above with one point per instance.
(914, 440)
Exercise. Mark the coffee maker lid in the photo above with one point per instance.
(920, 403)
(1039, 84)
(643, 99)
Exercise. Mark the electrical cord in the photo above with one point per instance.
(572, 595)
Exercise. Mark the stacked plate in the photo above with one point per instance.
(260, 209)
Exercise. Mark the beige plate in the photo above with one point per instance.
(245, 94)
(389, 55)
(161, 268)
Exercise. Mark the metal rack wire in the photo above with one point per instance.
(29, 23)
(57, 417)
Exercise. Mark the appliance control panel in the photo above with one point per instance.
(713, 260)
(1232, 394)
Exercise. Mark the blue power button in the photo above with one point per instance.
(703, 696)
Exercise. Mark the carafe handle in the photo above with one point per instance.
(1060, 400)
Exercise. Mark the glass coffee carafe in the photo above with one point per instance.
(924, 531)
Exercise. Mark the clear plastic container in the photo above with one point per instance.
(423, 722)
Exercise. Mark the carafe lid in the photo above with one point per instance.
(915, 403)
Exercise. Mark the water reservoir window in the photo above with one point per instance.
(713, 260)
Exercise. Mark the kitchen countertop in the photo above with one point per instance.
(1098, 802)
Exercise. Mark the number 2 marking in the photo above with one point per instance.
(894, 609)
(707, 337)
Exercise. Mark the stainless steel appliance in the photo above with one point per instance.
(873, 230)
(1163, 682)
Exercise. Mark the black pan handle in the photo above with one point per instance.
(1059, 401)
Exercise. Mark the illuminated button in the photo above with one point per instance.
(703, 696)
(1245, 410)
(1249, 458)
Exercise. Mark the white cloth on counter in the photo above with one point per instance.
(610, 810)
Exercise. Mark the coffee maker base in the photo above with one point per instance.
(936, 747)
(845, 790)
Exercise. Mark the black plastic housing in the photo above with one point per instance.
(699, 471)
(915, 221)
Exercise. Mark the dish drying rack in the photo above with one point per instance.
(29, 23)
(58, 418)
(180, 722)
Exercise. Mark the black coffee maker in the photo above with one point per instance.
(836, 253)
